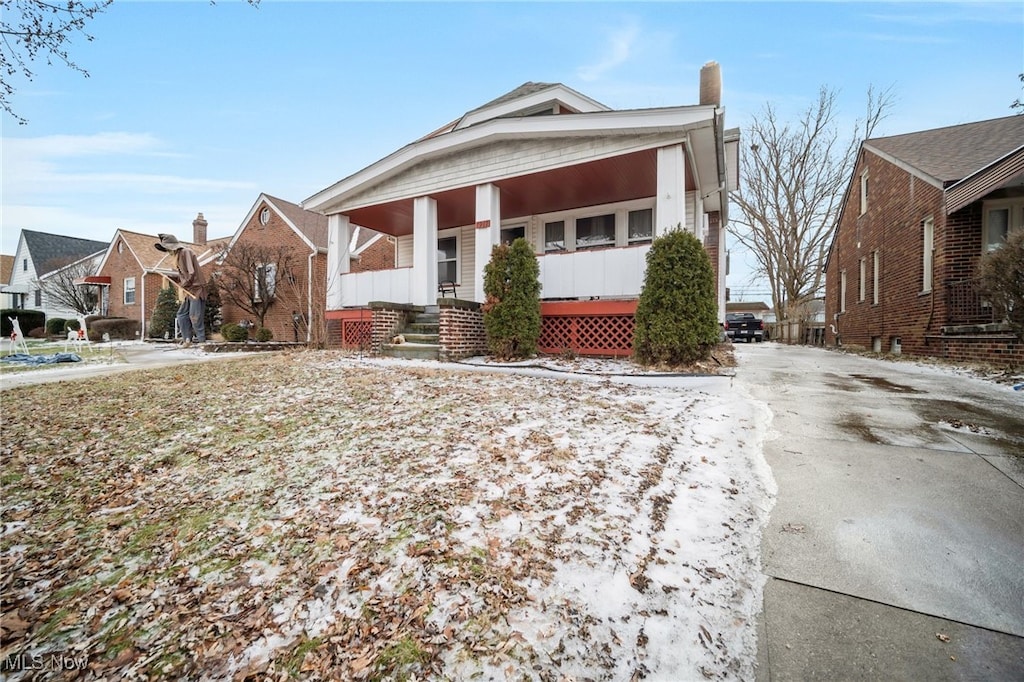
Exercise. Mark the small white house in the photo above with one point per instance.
(39, 257)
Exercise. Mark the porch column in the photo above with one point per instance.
(670, 204)
(339, 236)
(424, 251)
(487, 233)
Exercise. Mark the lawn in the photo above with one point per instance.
(320, 516)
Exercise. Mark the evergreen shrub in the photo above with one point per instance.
(512, 306)
(55, 326)
(164, 312)
(263, 334)
(676, 320)
(234, 333)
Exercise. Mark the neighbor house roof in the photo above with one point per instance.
(52, 251)
(6, 269)
(952, 153)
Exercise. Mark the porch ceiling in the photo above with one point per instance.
(619, 178)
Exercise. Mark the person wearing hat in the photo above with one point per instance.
(192, 281)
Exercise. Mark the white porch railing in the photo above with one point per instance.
(607, 273)
(602, 272)
(359, 288)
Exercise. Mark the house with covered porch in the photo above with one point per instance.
(587, 186)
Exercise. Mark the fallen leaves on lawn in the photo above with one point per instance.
(312, 516)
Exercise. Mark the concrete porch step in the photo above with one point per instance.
(411, 351)
(422, 338)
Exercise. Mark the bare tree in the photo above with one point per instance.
(792, 186)
(61, 290)
(31, 29)
(299, 292)
(253, 276)
(1018, 103)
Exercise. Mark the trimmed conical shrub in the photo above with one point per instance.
(164, 313)
(512, 306)
(676, 319)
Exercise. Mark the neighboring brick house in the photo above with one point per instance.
(919, 212)
(39, 255)
(131, 273)
(7, 300)
(589, 187)
(278, 227)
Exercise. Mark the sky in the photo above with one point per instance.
(196, 107)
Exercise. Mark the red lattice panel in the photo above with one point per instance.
(587, 334)
(356, 333)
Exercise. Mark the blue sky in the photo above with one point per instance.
(195, 107)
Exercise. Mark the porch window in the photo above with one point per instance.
(510, 234)
(554, 236)
(1000, 219)
(129, 290)
(928, 248)
(595, 231)
(447, 259)
(641, 226)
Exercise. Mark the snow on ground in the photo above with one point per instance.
(327, 516)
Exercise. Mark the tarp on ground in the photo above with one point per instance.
(22, 359)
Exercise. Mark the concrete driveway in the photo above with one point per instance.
(895, 550)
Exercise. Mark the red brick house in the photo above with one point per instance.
(131, 272)
(587, 186)
(298, 238)
(918, 214)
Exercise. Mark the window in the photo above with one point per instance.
(554, 236)
(264, 282)
(641, 225)
(927, 249)
(39, 298)
(129, 290)
(510, 234)
(595, 231)
(447, 259)
(264, 216)
(24, 264)
(842, 291)
(120, 246)
(863, 283)
(1000, 218)
(864, 192)
(874, 278)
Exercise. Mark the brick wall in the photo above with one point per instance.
(292, 293)
(462, 333)
(377, 256)
(892, 226)
(388, 320)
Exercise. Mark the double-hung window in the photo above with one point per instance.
(863, 284)
(448, 259)
(129, 290)
(265, 282)
(641, 226)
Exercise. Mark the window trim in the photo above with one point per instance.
(864, 177)
(448, 234)
(862, 285)
(1014, 218)
(874, 278)
(129, 286)
(927, 254)
(621, 209)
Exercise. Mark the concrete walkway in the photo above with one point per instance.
(895, 550)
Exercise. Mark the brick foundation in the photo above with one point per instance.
(462, 332)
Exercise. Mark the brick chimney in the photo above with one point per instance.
(199, 230)
(711, 84)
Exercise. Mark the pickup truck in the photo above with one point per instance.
(744, 326)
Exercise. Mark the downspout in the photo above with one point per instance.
(309, 295)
